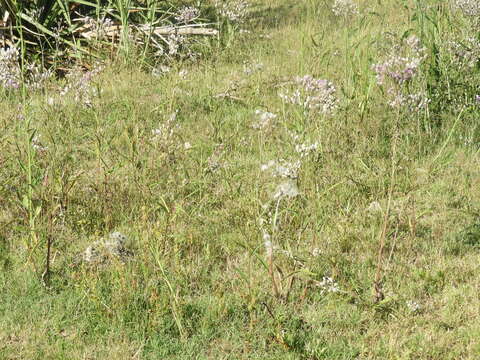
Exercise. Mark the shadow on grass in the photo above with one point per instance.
(275, 16)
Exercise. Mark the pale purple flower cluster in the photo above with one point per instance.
(81, 85)
(187, 15)
(313, 94)
(11, 72)
(37, 144)
(345, 8)
(233, 10)
(174, 43)
(401, 67)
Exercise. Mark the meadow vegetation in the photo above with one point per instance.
(303, 184)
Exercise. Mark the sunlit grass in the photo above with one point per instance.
(229, 260)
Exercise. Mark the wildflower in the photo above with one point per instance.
(374, 207)
(36, 76)
(345, 8)
(328, 285)
(174, 42)
(465, 52)
(287, 189)
(233, 10)
(413, 306)
(187, 14)
(37, 145)
(306, 149)
(165, 132)
(412, 102)
(268, 244)
(265, 118)
(160, 70)
(80, 83)
(187, 146)
(282, 168)
(183, 74)
(10, 72)
(400, 68)
(313, 94)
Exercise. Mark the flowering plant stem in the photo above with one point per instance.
(377, 284)
(271, 270)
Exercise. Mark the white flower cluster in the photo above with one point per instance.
(165, 132)
(327, 285)
(264, 119)
(345, 8)
(313, 94)
(187, 14)
(233, 10)
(413, 306)
(306, 149)
(282, 168)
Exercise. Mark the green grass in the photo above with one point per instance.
(199, 285)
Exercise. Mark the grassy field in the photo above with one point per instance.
(271, 215)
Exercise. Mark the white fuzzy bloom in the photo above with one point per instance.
(287, 189)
